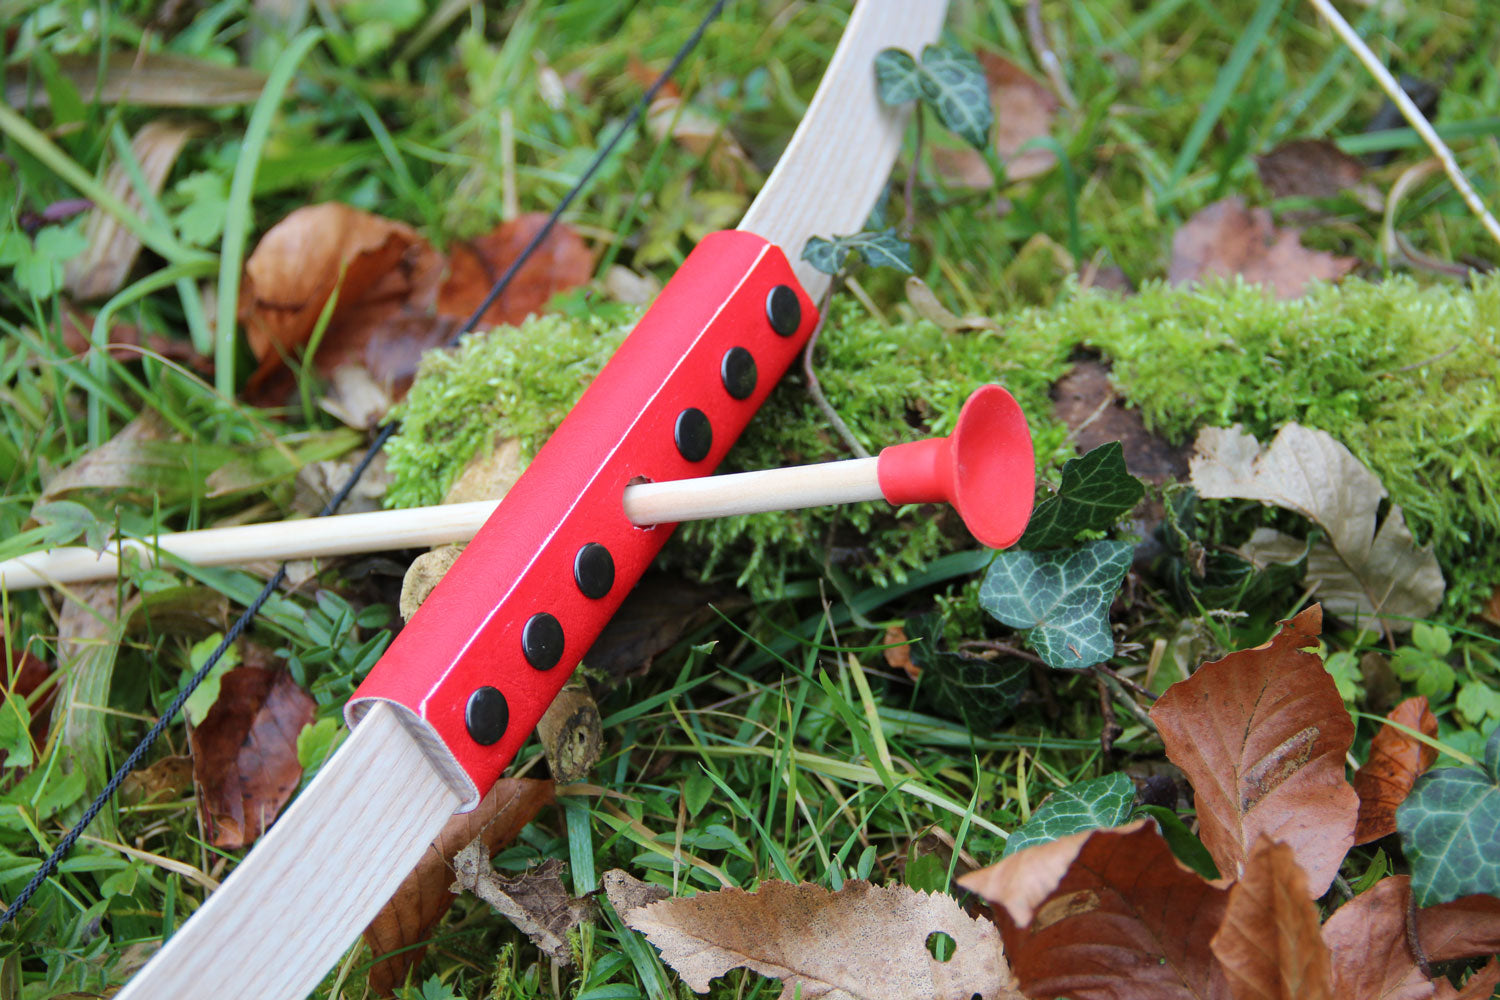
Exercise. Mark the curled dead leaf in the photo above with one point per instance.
(898, 653)
(1367, 937)
(863, 941)
(1227, 239)
(1262, 735)
(534, 901)
(1361, 571)
(1395, 761)
(1269, 943)
(1105, 915)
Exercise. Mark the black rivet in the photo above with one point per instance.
(594, 570)
(486, 715)
(694, 434)
(737, 369)
(783, 310)
(542, 641)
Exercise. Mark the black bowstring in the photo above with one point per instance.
(133, 761)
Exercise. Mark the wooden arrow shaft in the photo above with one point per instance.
(422, 527)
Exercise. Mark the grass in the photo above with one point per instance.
(775, 742)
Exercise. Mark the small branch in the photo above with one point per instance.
(815, 389)
(1036, 33)
(1410, 112)
(1413, 941)
(1124, 681)
(1112, 728)
(995, 646)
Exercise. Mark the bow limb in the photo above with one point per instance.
(304, 893)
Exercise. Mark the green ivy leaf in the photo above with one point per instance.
(882, 249)
(1450, 830)
(1086, 805)
(1063, 596)
(953, 83)
(898, 78)
(1095, 492)
(206, 196)
(971, 688)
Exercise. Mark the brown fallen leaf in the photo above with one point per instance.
(1367, 937)
(1024, 110)
(1467, 927)
(382, 271)
(1491, 610)
(1359, 571)
(1481, 985)
(408, 918)
(563, 261)
(700, 134)
(1313, 168)
(1106, 915)
(245, 753)
(1085, 400)
(898, 655)
(654, 616)
(1262, 735)
(112, 249)
(126, 342)
(863, 941)
(166, 778)
(1227, 239)
(143, 79)
(1269, 943)
(534, 901)
(626, 892)
(1385, 779)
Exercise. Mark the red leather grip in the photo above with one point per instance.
(468, 635)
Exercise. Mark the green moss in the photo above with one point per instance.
(1404, 376)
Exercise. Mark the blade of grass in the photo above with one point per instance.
(237, 210)
(1224, 87)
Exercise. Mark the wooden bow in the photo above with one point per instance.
(304, 893)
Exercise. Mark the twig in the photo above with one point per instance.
(1036, 33)
(815, 389)
(1111, 729)
(995, 646)
(1124, 681)
(1413, 941)
(1410, 112)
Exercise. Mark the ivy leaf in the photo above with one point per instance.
(1450, 830)
(1062, 595)
(971, 688)
(1086, 805)
(1096, 490)
(953, 83)
(898, 78)
(882, 249)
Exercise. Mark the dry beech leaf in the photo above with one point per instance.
(1262, 735)
(1227, 239)
(1481, 985)
(563, 261)
(656, 613)
(1314, 168)
(1105, 915)
(1467, 927)
(245, 753)
(1359, 571)
(925, 303)
(1085, 400)
(626, 892)
(1385, 779)
(423, 897)
(534, 901)
(167, 778)
(1269, 943)
(898, 653)
(864, 941)
(112, 249)
(1371, 957)
(1024, 110)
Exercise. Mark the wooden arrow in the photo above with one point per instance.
(985, 469)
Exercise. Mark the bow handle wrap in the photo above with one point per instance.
(480, 661)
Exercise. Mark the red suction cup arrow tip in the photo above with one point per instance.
(986, 468)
